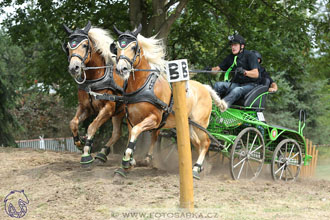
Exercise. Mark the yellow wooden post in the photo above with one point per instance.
(185, 161)
(177, 73)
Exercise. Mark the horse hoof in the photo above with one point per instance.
(147, 162)
(98, 162)
(143, 163)
(86, 161)
(86, 166)
(120, 175)
(100, 159)
(196, 175)
(122, 172)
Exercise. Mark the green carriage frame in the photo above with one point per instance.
(283, 148)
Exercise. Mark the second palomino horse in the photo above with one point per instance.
(148, 96)
(91, 65)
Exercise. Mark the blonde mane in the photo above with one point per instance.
(102, 40)
(154, 51)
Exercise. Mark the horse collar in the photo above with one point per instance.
(105, 82)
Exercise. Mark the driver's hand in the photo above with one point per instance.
(240, 70)
(217, 68)
(272, 90)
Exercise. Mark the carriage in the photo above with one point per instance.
(240, 133)
(243, 136)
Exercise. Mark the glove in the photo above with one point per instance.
(240, 70)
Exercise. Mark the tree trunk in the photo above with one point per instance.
(158, 22)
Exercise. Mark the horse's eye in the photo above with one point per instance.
(134, 48)
(84, 46)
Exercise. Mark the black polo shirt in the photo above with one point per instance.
(265, 75)
(247, 60)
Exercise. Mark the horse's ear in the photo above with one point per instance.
(138, 30)
(113, 48)
(88, 27)
(65, 48)
(118, 32)
(67, 30)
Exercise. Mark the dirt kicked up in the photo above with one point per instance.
(58, 188)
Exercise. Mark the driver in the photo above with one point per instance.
(265, 74)
(246, 65)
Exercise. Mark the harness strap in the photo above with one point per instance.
(230, 68)
(166, 113)
(207, 132)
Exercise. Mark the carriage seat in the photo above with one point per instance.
(251, 99)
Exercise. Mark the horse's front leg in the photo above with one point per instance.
(100, 119)
(80, 116)
(148, 123)
(116, 133)
(149, 157)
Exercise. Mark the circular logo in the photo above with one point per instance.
(16, 199)
(123, 44)
(274, 133)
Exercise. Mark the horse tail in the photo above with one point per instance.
(217, 100)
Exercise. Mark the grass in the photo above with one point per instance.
(323, 163)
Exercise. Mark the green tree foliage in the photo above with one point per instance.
(292, 36)
(11, 60)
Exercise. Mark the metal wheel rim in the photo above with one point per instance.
(246, 160)
(286, 161)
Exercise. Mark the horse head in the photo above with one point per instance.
(78, 49)
(127, 49)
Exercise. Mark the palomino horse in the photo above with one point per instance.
(148, 96)
(89, 56)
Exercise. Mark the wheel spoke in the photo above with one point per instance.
(282, 167)
(291, 150)
(239, 174)
(286, 149)
(289, 169)
(293, 156)
(281, 153)
(242, 143)
(255, 138)
(247, 140)
(255, 159)
(239, 163)
(282, 171)
(251, 167)
(256, 149)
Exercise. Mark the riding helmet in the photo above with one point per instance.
(236, 38)
(257, 54)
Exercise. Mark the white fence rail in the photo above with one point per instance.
(55, 144)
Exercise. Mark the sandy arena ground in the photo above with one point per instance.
(58, 188)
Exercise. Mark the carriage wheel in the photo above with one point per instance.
(247, 154)
(286, 162)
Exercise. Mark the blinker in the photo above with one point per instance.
(125, 40)
(75, 43)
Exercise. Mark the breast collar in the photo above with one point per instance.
(105, 82)
(145, 93)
